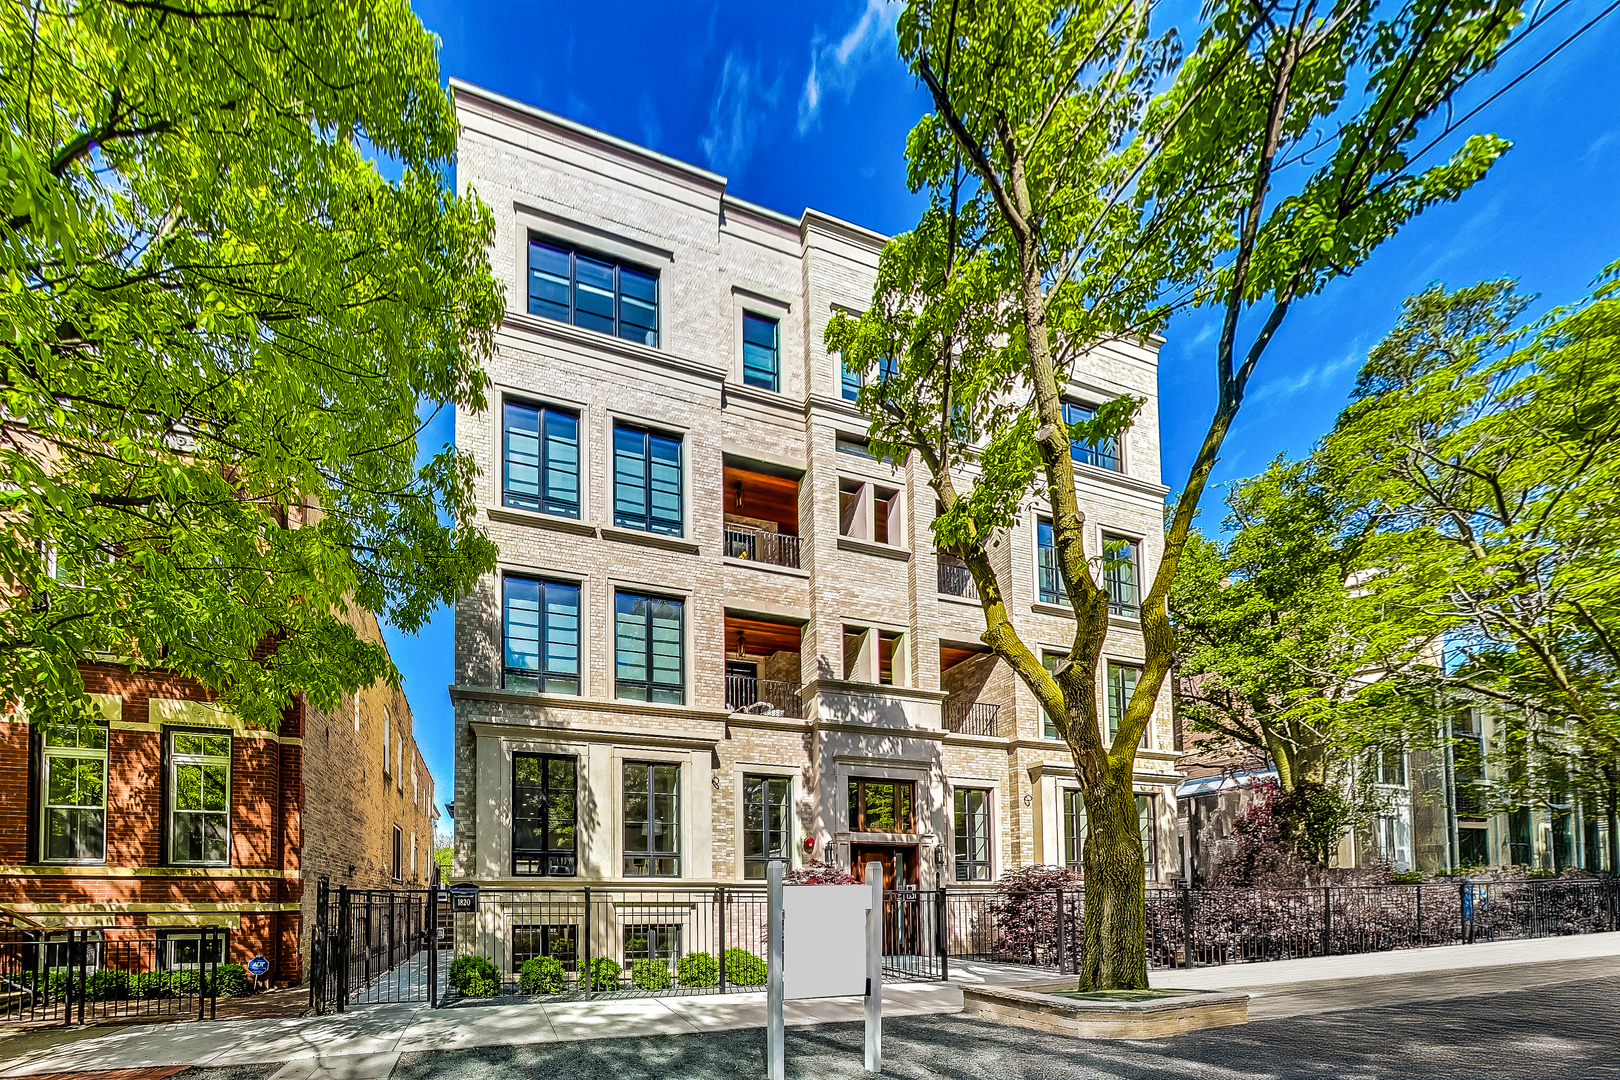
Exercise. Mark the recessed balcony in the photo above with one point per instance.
(762, 667)
(761, 514)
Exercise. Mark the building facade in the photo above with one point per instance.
(168, 815)
(719, 631)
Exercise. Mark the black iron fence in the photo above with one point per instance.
(76, 976)
(373, 946)
(777, 549)
(602, 941)
(955, 579)
(972, 718)
(1201, 927)
(769, 697)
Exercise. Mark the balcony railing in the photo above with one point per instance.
(972, 718)
(766, 697)
(955, 579)
(777, 549)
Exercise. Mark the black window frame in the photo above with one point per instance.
(1114, 582)
(970, 825)
(850, 381)
(651, 854)
(1048, 728)
(776, 844)
(774, 382)
(649, 686)
(1049, 587)
(646, 520)
(553, 859)
(549, 935)
(1148, 833)
(542, 676)
(618, 266)
(1119, 698)
(1075, 826)
(905, 809)
(1104, 454)
(540, 500)
(397, 855)
(170, 765)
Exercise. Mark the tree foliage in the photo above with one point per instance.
(1082, 181)
(221, 320)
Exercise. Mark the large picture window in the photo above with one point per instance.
(557, 940)
(1049, 580)
(1103, 453)
(881, 805)
(767, 830)
(594, 292)
(544, 809)
(761, 352)
(541, 632)
(73, 809)
(199, 798)
(1121, 685)
(648, 649)
(972, 834)
(540, 445)
(647, 481)
(652, 819)
(1119, 575)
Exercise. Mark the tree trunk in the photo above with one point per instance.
(1114, 955)
(1614, 818)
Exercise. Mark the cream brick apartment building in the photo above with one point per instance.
(719, 631)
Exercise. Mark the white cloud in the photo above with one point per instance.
(836, 66)
(652, 132)
(742, 103)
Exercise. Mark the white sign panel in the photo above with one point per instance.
(824, 940)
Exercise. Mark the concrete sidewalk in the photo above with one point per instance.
(365, 1042)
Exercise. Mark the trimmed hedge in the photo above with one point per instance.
(605, 973)
(743, 968)
(649, 974)
(109, 984)
(475, 976)
(542, 975)
(697, 969)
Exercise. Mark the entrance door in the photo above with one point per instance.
(900, 896)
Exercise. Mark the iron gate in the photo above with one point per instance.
(914, 935)
(373, 946)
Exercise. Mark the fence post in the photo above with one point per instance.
(585, 973)
(67, 980)
(84, 954)
(722, 975)
(1062, 955)
(1186, 926)
(942, 914)
(1327, 920)
(433, 946)
(1419, 889)
(340, 948)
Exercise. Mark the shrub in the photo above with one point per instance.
(474, 976)
(542, 975)
(106, 985)
(1408, 877)
(743, 968)
(182, 983)
(1025, 911)
(650, 974)
(143, 985)
(231, 980)
(817, 872)
(697, 969)
(605, 973)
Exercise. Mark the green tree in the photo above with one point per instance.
(221, 322)
(1065, 203)
(1483, 450)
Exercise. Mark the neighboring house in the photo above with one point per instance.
(719, 631)
(169, 815)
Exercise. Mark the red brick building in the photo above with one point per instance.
(169, 815)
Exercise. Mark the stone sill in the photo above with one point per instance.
(772, 568)
(513, 516)
(647, 539)
(871, 547)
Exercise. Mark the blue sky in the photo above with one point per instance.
(806, 105)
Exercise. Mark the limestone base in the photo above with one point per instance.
(1032, 1006)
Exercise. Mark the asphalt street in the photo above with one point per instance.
(1567, 1031)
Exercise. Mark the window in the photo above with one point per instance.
(1121, 685)
(199, 798)
(73, 811)
(397, 864)
(547, 939)
(870, 512)
(388, 743)
(1468, 768)
(652, 819)
(1119, 575)
(648, 648)
(182, 949)
(1074, 827)
(972, 834)
(1389, 767)
(1103, 453)
(541, 451)
(594, 292)
(760, 351)
(544, 793)
(657, 942)
(880, 805)
(850, 380)
(541, 636)
(1049, 580)
(647, 481)
(767, 828)
(1147, 822)
(1051, 662)
(399, 765)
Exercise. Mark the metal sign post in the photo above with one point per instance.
(874, 970)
